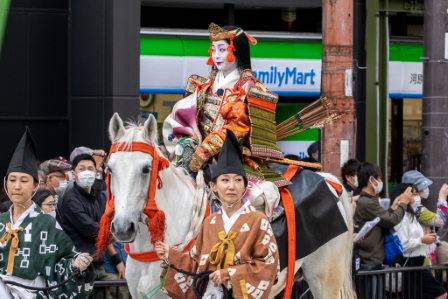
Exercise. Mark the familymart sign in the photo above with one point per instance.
(286, 68)
(285, 76)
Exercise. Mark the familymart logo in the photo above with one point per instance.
(288, 76)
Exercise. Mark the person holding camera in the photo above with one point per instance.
(371, 249)
(415, 244)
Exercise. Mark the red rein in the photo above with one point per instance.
(157, 221)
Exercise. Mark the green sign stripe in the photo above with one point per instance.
(403, 52)
(165, 46)
(199, 47)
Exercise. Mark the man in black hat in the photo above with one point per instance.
(42, 254)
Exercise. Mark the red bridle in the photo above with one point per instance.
(157, 222)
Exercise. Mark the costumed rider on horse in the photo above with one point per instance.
(37, 258)
(235, 248)
(231, 98)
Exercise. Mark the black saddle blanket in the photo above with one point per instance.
(318, 219)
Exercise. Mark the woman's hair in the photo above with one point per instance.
(398, 190)
(3, 196)
(242, 52)
(365, 171)
(349, 168)
(3, 208)
(40, 196)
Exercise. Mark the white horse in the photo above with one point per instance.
(327, 270)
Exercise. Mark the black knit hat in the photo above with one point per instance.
(230, 159)
(25, 157)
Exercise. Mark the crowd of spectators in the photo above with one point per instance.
(74, 192)
(406, 217)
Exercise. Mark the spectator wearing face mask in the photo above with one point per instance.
(99, 156)
(80, 212)
(45, 201)
(429, 220)
(55, 178)
(349, 173)
(371, 249)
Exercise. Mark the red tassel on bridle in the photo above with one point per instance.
(103, 237)
(157, 220)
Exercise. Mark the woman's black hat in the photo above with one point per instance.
(24, 158)
(230, 159)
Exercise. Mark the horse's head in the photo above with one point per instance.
(131, 173)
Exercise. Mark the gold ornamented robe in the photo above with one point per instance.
(255, 264)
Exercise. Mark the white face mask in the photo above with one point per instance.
(355, 182)
(62, 186)
(424, 193)
(52, 214)
(417, 202)
(86, 178)
(378, 188)
(219, 54)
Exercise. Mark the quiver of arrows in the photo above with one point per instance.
(315, 115)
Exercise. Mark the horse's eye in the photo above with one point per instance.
(145, 170)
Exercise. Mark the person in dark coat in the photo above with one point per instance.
(80, 212)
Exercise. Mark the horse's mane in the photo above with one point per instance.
(125, 142)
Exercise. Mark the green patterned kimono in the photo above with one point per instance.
(43, 249)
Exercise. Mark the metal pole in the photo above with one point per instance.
(435, 97)
(337, 74)
(359, 72)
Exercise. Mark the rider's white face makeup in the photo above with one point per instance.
(219, 54)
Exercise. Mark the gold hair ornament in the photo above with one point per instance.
(217, 33)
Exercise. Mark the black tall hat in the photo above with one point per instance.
(230, 158)
(25, 156)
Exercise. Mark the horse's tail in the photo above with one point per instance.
(347, 286)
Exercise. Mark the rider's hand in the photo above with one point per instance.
(82, 261)
(216, 277)
(121, 269)
(162, 249)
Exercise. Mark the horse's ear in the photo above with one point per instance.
(116, 128)
(150, 130)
